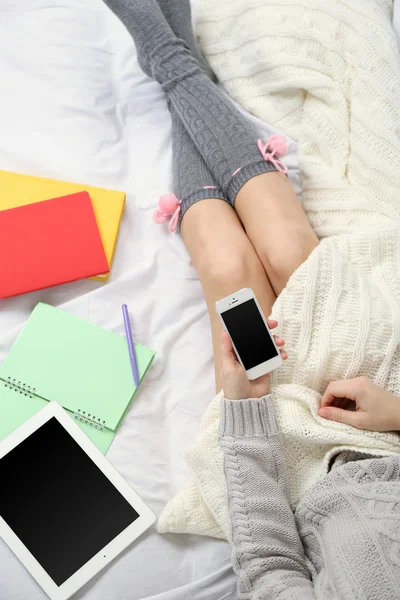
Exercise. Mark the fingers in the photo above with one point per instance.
(272, 324)
(344, 403)
(278, 340)
(348, 388)
(332, 413)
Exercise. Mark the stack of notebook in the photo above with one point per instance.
(83, 367)
(54, 232)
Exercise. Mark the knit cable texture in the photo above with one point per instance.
(328, 75)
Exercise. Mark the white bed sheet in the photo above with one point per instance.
(74, 105)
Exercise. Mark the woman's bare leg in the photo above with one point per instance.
(276, 225)
(225, 261)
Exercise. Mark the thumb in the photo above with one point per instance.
(349, 417)
(228, 356)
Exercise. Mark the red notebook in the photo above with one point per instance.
(48, 243)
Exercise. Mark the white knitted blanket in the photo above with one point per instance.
(328, 75)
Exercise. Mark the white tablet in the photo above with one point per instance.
(64, 510)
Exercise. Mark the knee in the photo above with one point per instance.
(282, 255)
(231, 268)
(221, 252)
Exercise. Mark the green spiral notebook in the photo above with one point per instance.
(83, 367)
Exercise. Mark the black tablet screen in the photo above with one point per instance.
(58, 502)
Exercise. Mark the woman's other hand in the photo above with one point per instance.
(361, 403)
(236, 384)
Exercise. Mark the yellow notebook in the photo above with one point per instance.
(17, 190)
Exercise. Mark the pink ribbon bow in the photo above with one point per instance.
(272, 150)
(169, 208)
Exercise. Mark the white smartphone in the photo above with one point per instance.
(244, 322)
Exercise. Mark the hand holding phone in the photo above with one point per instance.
(236, 384)
(244, 322)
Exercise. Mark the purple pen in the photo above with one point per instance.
(131, 345)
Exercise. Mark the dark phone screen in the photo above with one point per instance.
(58, 502)
(249, 334)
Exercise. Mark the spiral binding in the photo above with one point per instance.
(89, 419)
(19, 387)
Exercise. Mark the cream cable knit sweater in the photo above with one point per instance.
(328, 75)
